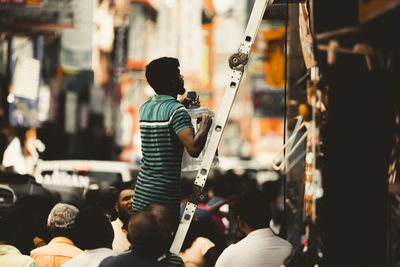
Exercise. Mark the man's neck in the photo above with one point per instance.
(174, 95)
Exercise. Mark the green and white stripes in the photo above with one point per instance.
(161, 118)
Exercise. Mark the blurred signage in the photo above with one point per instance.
(62, 178)
(268, 103)
(24, 91)
(71, 110)
(266, 138)
(44, 103)
(29, 15)
(190, 37)
(26, 77)
(137, 40)
(76, 55)
(167, 24)
(274, 61)
(119, 53)
(103, 40)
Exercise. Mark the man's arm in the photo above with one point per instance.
(194, 144)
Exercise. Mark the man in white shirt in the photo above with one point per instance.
(124, 209)
(261, 247)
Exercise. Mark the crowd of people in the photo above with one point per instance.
(230, 228)
(134, 224)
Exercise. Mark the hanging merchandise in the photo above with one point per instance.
(190, 43)
(13, 157)
(306, 37)
(78, 55)
(24, 90)
(167, 24)
(119, 53)
(274, 61)
(195, 111)
(308, 245)
(71, 110)
(103, 42)
(136, 37)
(44, 103)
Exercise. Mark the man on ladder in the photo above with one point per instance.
(165, 128)
(236, 62)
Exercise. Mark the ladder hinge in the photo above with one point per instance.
(198, 195)
(238, 60)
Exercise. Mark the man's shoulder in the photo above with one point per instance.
(172, 104)
(118, 259)
(127, 259)
(166, 107)
(57, 249)
(227, 256)
(172, 259)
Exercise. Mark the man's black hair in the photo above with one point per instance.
(167, 222)
(161, 72)
(121, 186)
(147, 239)
(16, 230)
(93, 229)
(253, 208)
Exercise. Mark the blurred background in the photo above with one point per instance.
(84, 64)
(72, 81)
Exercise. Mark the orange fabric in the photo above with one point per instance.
(56, 253)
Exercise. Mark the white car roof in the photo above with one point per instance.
(92, 165)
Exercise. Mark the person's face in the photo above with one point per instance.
(124, 205)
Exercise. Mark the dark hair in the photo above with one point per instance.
(123, 186)
(93, 229)
(253, 208)
(160, 73)
(105, 199)
(164, 216)
(147, 239)
(36, 210)
(16, 230)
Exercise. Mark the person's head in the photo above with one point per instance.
(61, 220)
(146, 236)
(164, 216)
(93, 229)
(16, 229)
(164, 76)
(252, 211)
(104, 198)
(36, 209)
(123, 204)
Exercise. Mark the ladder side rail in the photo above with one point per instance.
(222, 116)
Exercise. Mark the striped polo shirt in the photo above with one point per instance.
(161, 118)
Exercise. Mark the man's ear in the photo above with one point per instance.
(116, 206)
